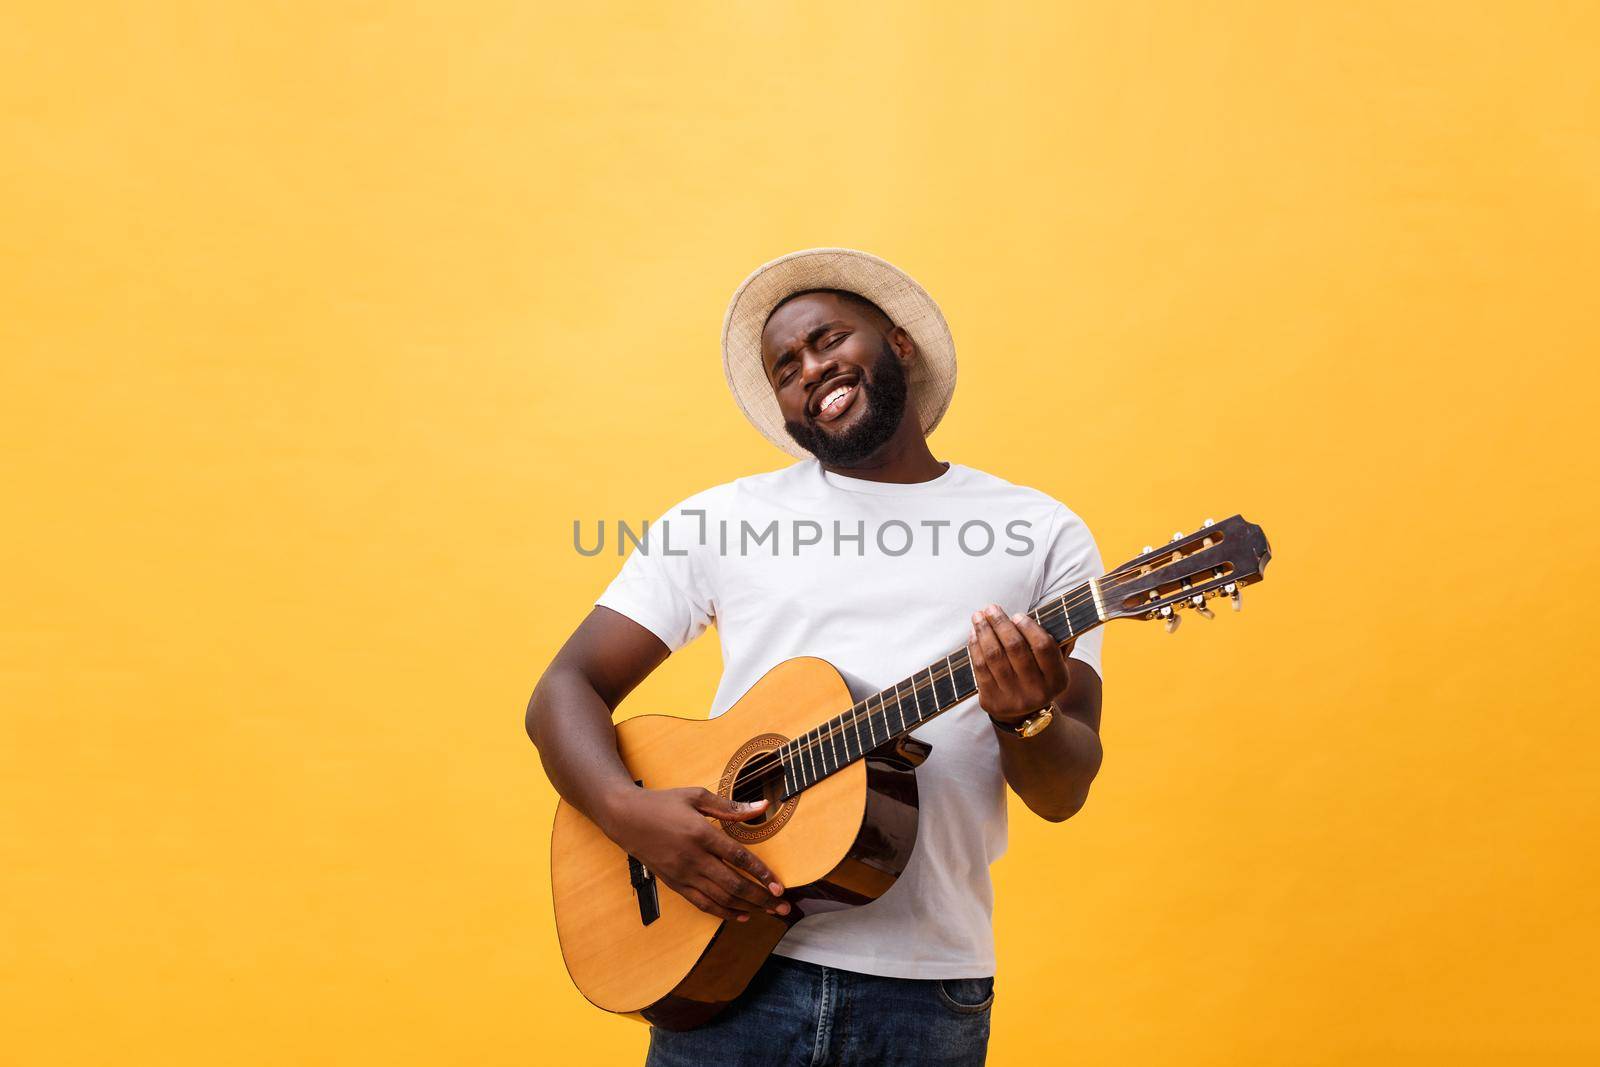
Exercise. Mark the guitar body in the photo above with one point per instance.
(840, 843)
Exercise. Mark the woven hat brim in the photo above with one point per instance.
(932, 378)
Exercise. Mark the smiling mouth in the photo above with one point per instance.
(836, 401)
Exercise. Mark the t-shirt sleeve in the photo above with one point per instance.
(662, 584)
(1071, 558)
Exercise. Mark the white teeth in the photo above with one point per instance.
(831, 398)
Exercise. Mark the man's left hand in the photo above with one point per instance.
(1018, 666)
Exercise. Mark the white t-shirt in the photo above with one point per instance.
(880, 579)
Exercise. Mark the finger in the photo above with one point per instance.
(705, 903)
(741, 892)
(727, 889)
(988, 688)
(719, 807)
(1051, 660)
(1018, 654)
(741, 858)
(729, 877)
(994, 654)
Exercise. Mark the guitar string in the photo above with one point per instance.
(861, 711)
(824, 746)
(854, 715)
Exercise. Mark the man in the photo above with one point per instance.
(871, 554)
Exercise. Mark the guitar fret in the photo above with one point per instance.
(946, 695)
(1086, 617)
(962, 677)
(1066, 621)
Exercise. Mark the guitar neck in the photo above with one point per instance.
(891, 713)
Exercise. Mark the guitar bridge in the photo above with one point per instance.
(644, 886)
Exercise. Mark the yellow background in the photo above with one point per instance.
(323, 322)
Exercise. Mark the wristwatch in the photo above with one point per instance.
(1029, 726)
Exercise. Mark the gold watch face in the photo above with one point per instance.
(1035, 723)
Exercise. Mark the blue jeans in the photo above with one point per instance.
(798, 1014)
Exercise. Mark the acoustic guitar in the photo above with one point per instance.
(839, 776)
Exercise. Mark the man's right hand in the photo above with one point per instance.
(667, 831)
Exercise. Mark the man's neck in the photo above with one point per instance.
(903, 458)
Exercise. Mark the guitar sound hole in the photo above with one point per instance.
(761, 778)
(756, 773)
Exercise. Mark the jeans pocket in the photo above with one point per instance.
(966, 996)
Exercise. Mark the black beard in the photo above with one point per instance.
(886, 406)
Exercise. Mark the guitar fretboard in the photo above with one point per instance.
(893, 712)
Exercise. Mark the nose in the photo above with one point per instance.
(816, 366)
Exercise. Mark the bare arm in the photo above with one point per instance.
(569, 714)
(1019, 669)
(569, 721)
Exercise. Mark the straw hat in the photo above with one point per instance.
(931, 380)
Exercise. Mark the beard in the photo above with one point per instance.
(885, 397)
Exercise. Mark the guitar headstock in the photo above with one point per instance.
(1215, 561)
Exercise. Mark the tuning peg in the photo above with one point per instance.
(1200, 609)
(1172, 617)
(1232, 589)
(1208, 522)
(1147, 550)
(1178, 536)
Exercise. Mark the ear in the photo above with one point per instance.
(904, 347)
